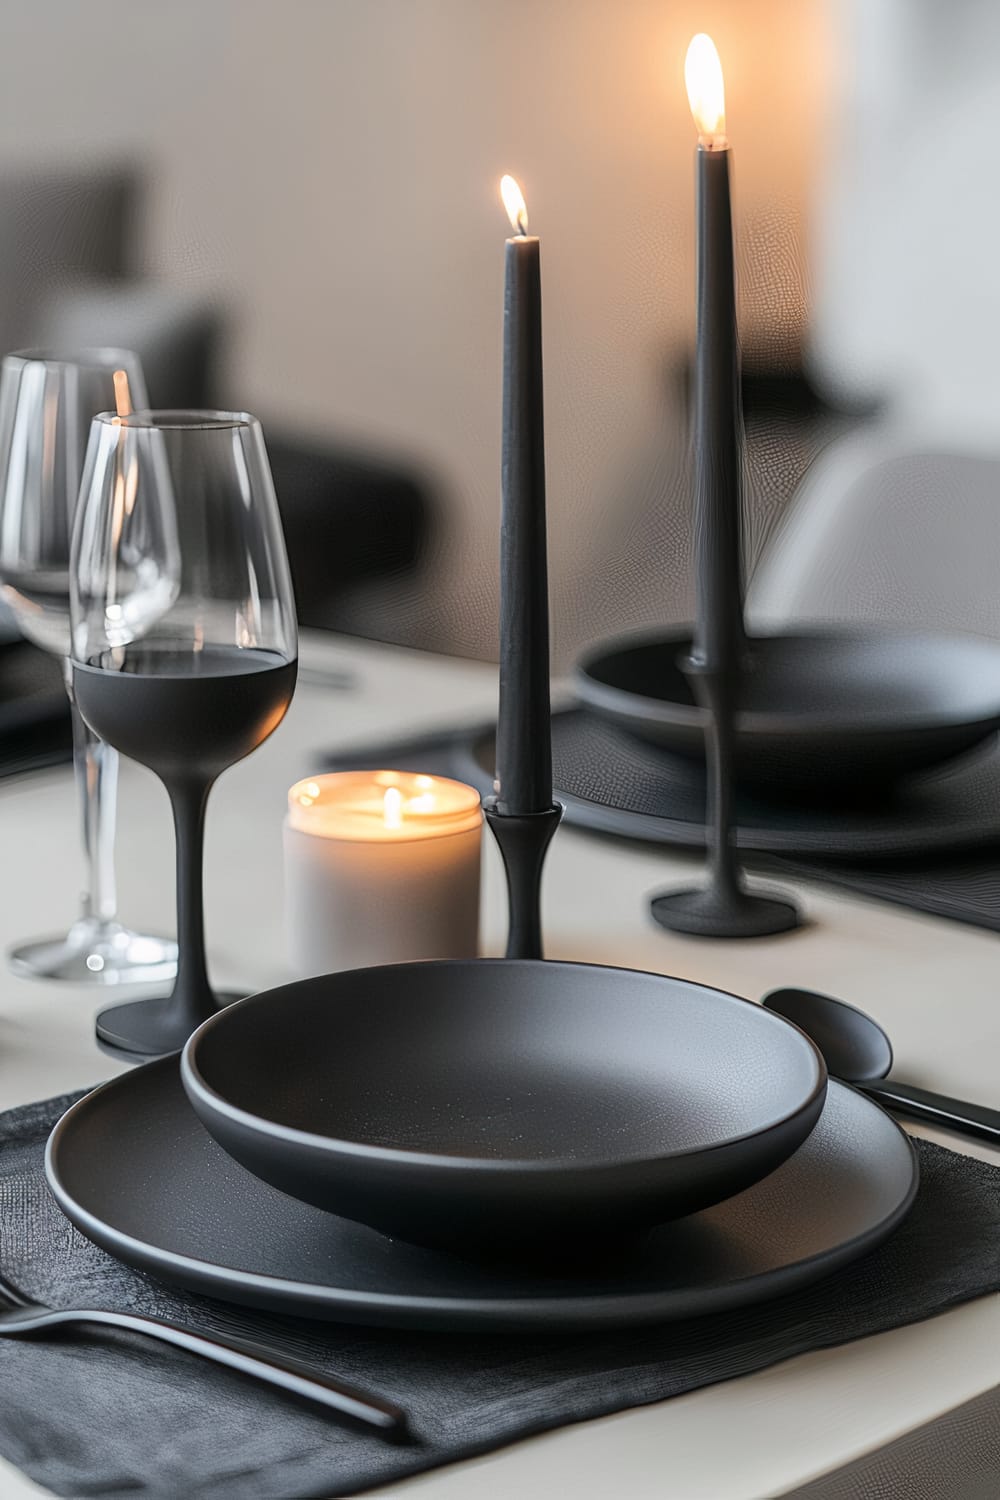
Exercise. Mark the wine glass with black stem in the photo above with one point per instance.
(48, 398)
(185, 675)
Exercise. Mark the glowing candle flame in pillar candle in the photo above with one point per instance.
(513, 202)
(706, 91)
(381, 867)
(392, 807)
(381, 806)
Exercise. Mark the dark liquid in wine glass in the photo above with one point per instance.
(180, 711)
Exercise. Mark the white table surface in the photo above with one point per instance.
(934, 984)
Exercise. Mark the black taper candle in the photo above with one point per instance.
(723, 908)
(718, 423)
(522, 815)
(524, 746)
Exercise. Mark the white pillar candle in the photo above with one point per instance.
(381, 867)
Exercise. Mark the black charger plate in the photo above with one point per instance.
(838, 707)
(135, 1171)
(612, 783)
(487, 1104)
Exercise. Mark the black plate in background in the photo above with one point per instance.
(846, 706)
(613, 783)
(134, 1169)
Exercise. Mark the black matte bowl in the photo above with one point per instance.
(497, 1104)
(821, 710)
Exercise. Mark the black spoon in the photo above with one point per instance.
(856, 1050)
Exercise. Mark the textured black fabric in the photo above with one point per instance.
(961, 883)
(115, 1415)
(956, 1457)
(964, 887)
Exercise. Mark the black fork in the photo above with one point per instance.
(20, 1317)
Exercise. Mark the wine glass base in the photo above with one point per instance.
(142, 1029)
(98, 954)
(729, 914)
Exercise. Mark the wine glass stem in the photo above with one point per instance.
(192, 991)
(96, 768)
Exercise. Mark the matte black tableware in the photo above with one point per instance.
(523, 840)
(488, 1103)
(137, 1173)
(714, 665)
(858, 1051)
(521, 815)
(21, 1318)
(838, 710)
(611, 783)
(524, 757)
(723, 907)
(184, 642)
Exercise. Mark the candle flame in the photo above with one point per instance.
(392, 807)
(706, 91)
(513, 202)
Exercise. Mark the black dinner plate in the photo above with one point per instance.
(611, 782)
(831, 707)
(134, 1170)
(493, 1102)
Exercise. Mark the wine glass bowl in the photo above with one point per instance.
(47, 401)
(184, 640)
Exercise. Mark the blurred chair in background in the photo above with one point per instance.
(901, 522)
(56, 228)
(893, 525)
(175, 334)
(69, 276)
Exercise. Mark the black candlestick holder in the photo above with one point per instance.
(724, 908)
(523, 839)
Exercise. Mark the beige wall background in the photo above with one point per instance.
(327, 170)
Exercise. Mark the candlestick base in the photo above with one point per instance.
(724, 914)
(141, 1029)
(524, 840)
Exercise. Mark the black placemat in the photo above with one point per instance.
(964, 887)
(114, 1415)
(961, 883)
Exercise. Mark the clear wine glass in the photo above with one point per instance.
(187, 669)
(47, 401)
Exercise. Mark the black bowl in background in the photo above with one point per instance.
(504, 1105)
(822, 711)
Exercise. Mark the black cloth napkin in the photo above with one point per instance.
(963, 885)
(118, 1416)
